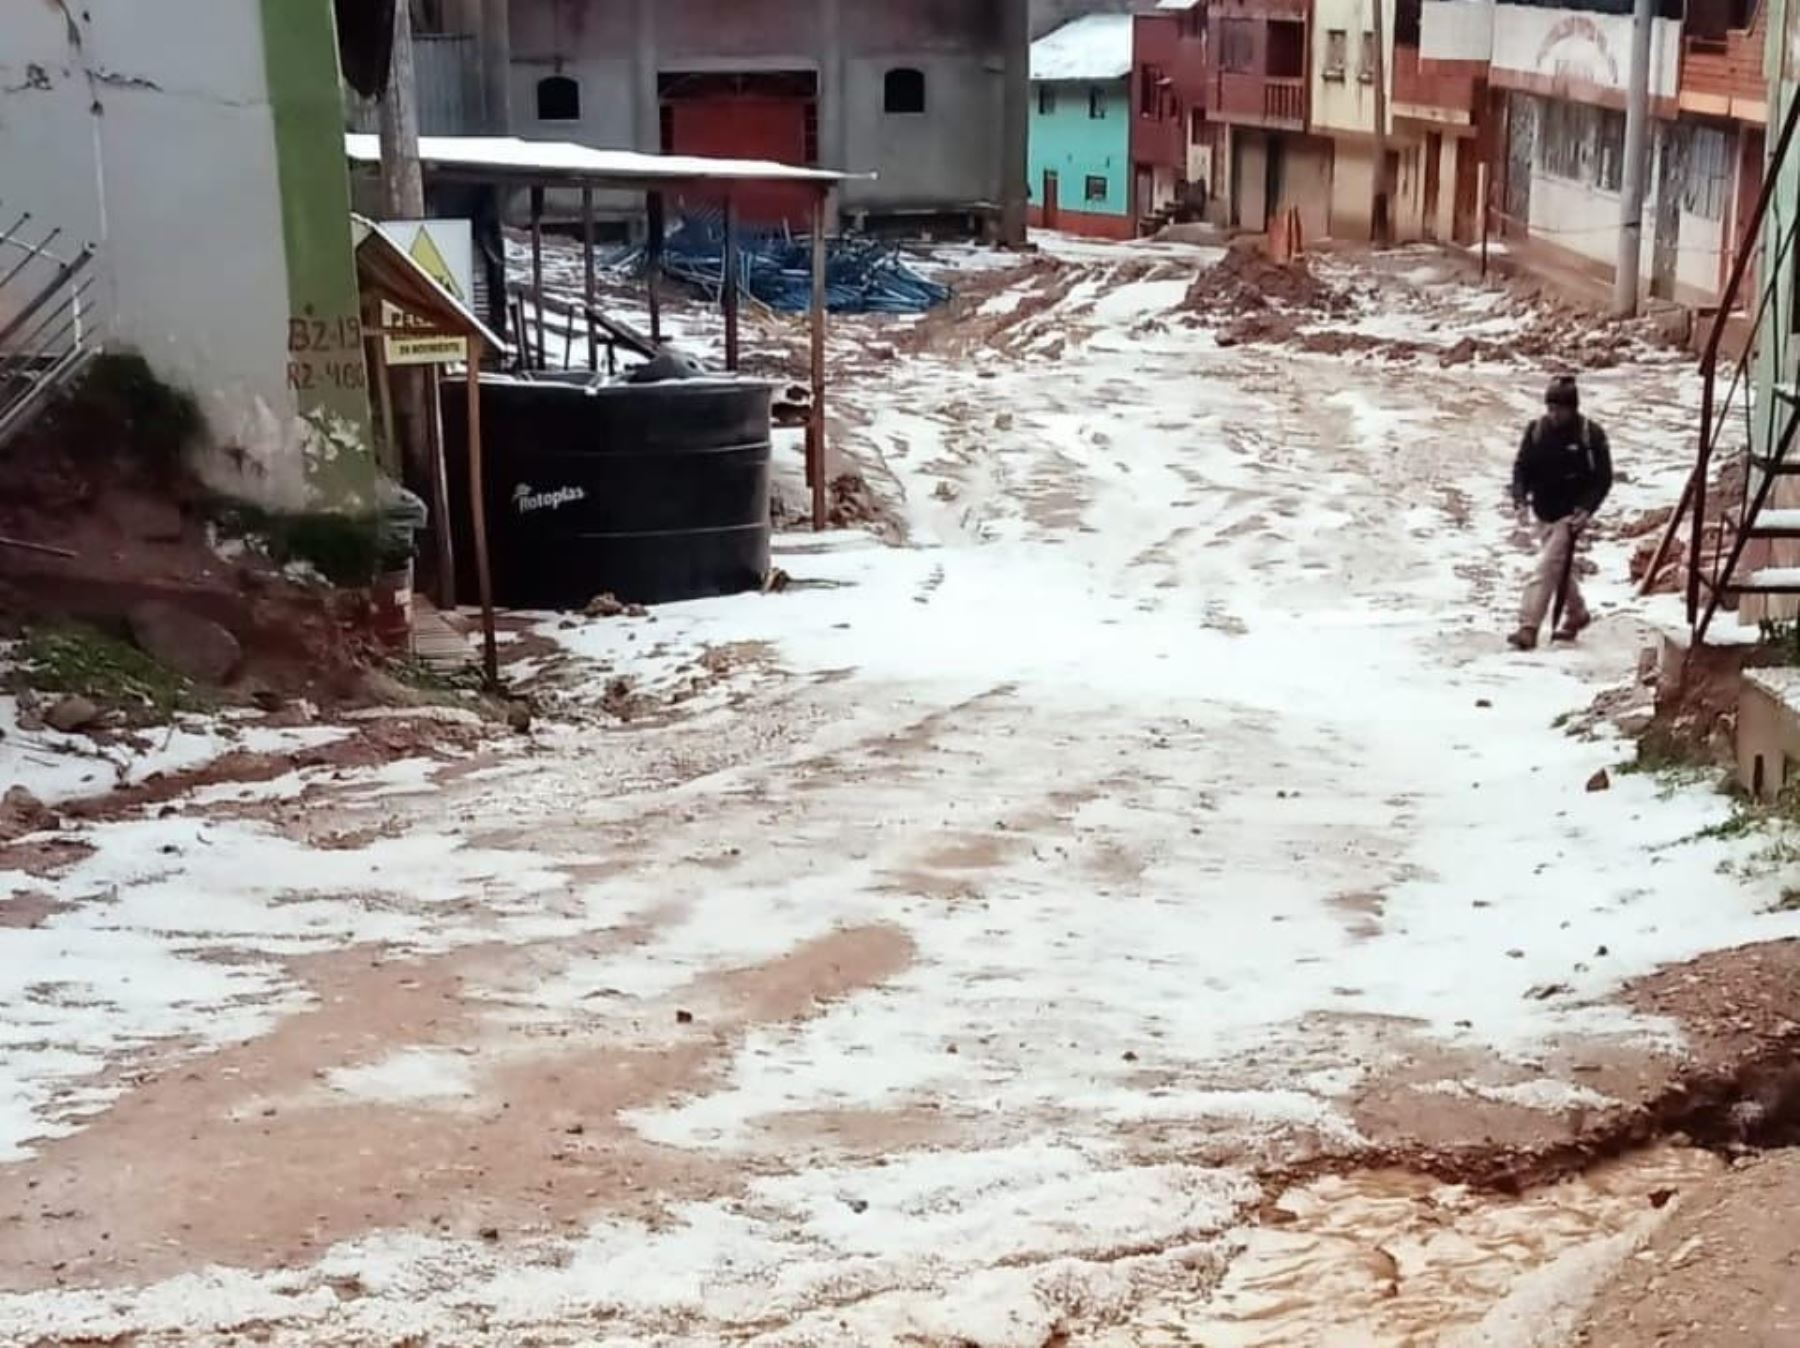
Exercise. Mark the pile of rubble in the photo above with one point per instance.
(1247, 282)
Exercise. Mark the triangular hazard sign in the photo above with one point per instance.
(425, 252)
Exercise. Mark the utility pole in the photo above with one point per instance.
(403, 198)
(402, 179)
(1637, 163)
(1380, 225)
(496, 65)
(1015, 121)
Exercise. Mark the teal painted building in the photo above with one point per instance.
(1081, 127)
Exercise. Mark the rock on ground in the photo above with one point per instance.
(196, 648)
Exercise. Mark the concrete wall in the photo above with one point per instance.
(1456, 30)
(1075, 146)
(211, 175)
(1579, 53)
(1347, 104)
(948, 157)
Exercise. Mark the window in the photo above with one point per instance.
(1609, 149)
(558, 99)
(1237, 46)
(1708, 172)
(1096, 189)
(1096, 104)
(1337, 53)
(1150, 90)
(1046, 100)
(1365, 61)
(904, 92)
(1564, 135)
(1196, 126)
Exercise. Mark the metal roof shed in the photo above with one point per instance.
(539, 165)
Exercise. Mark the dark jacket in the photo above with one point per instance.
(1562, 470)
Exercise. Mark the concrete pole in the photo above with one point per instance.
(1015, 121)
(1637, 163)
(1380, 223)
(496, 65)
(402, 179)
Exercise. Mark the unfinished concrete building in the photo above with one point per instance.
(913, 91)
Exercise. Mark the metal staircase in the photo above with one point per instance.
(47, 331)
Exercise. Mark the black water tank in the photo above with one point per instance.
(652, 492)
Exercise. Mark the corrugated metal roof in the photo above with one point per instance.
(1097, 47)
(565, 161)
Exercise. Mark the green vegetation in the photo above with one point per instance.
(1779, 644)
(105, 670)
(345, 550)
(119, 402)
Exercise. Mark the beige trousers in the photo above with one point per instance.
(1553, 555)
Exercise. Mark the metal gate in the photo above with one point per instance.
(1521, 158)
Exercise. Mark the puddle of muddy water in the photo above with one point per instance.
(1390, 1259)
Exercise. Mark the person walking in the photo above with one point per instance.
(1563, 474)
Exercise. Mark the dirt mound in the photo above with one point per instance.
(121, 528)
(1247, 280)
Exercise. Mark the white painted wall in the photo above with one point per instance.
(175, 178)
(1697, 265)
(1456, 30)
(1347, 104)
(1594, 48)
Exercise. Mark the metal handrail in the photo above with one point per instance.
(1709, 358)
(47, 337)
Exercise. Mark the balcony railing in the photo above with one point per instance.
(1259, 100)
(1284, 100)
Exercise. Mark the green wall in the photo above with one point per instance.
(1068, 140)
(327, 368)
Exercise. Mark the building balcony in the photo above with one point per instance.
(1722, 62)
(1275, 101)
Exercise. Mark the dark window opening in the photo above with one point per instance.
(904, 92)
(1406, 23)
(1196, 126)
(1150, 87)
(1096, 189)
(558, 99)
(1046, 100)
(1287, 50)
(1096, 103)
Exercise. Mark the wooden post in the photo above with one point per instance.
(490, 645)
(537, 267)
(654, 263)
(440, 488)
(587, 248)
(1481, 191)
(816, 424)
(731, 285)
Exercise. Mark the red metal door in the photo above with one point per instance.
(748, 127)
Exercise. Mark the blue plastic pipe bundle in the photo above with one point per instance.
(862, 276)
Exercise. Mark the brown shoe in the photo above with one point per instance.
(1523, 640)
(1572, 628)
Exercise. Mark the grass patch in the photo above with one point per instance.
(105, 670)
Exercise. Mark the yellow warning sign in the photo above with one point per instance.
(444, 250)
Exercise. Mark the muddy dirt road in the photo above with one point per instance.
(1023, 935)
